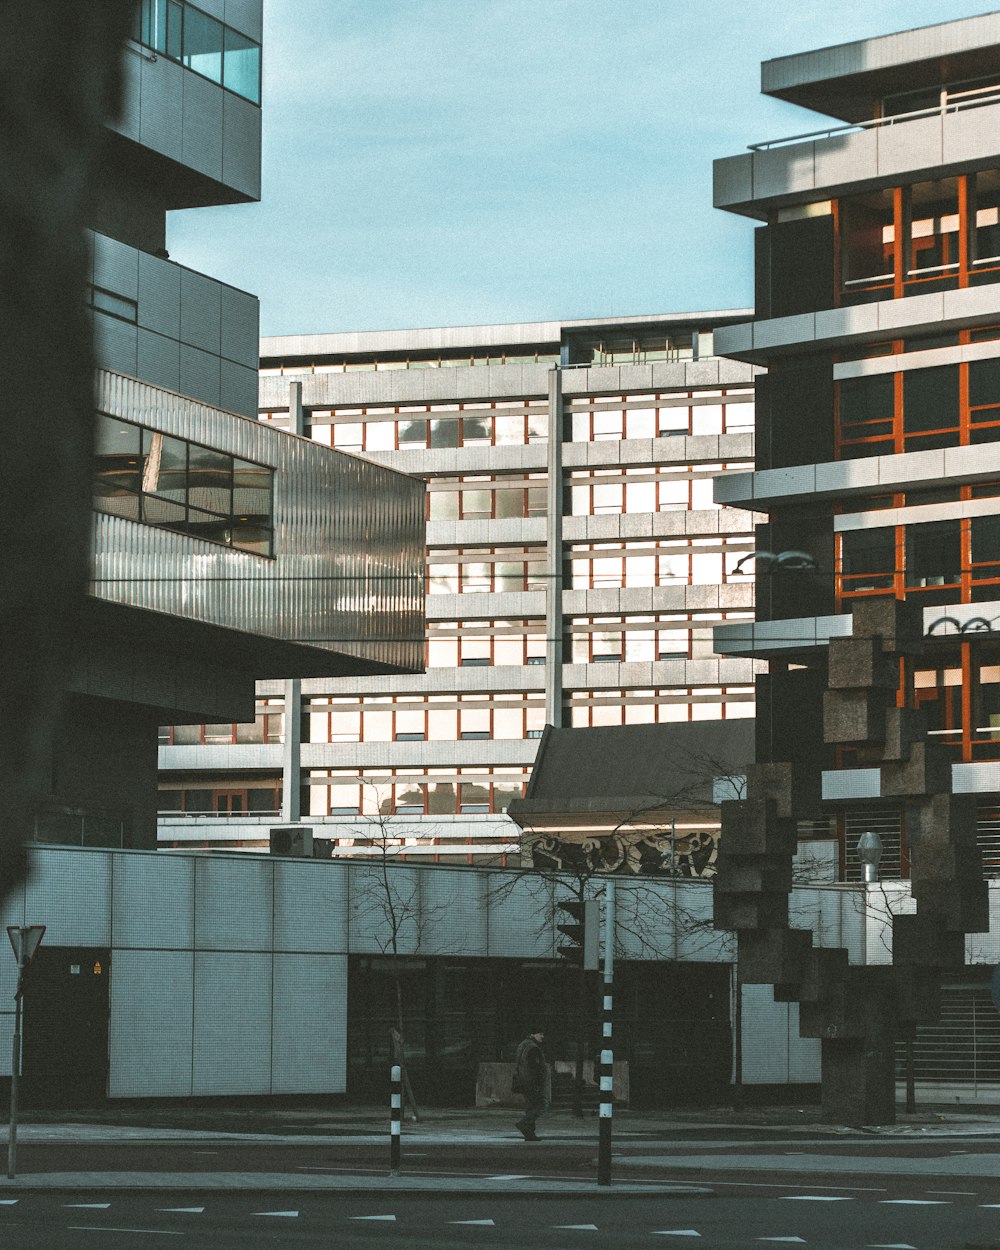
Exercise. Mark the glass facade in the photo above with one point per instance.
(147, 476)
(182, 32)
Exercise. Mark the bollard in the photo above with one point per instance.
(604, 1129)
(395, 1116)
(607, 1054)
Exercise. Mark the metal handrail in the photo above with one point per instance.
(951, 106)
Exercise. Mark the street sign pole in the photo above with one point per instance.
(24, 940)
(15, 1066)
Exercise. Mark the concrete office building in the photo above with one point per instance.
(878, 452)
(216, 539)
(576, 566)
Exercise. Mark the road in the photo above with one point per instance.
(725, 1218)
(745, 1189)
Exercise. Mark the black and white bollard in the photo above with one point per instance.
(395, 1116)
(607, 1043)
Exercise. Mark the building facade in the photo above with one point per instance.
(222, 550)
(878, 432)
(576, 565)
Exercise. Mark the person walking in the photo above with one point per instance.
(532, 1079)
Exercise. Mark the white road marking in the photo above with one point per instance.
(520, 1176)
(964, 1193)
(8, 1202)
(289, 1215)
(675, 1232)
(88, 1206)
(184, 1210)
(814, 1198)
(577, 1227)
(989, 1206)
(891, 1245)
(913, 1202)
(798, 1240)
(485, 1223)
(109, 1228)
(372, 1217)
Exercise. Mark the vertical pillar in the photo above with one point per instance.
(291, 756)
(554, 558)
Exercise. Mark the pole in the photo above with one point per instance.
(395, 1114)
(607, 1052)
(15, 1067)
(911, 1088)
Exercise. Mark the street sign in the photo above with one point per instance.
(24, 941)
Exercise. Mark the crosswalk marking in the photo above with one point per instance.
(372, 1217)
(814, 1198)
(289, 1215)
(485, 1223)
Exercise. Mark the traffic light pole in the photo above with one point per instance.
(607, 1042)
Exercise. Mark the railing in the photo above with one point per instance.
(988, 95)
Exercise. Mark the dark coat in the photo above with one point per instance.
(531, 1069)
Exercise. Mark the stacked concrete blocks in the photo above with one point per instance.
(858, 1012)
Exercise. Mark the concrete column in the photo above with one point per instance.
(291, 756)
(554, 558)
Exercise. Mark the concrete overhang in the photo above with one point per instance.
(844, 80)
(800, 636)
(938, 312)
(816, 167)
(771, 489)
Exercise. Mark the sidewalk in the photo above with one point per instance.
(718, 1133)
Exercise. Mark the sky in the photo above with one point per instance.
(466, 162)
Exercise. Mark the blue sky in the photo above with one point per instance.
(456, 162)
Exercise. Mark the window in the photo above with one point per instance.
(868, 560)
(933, 554)
(146, 475)
(201, 43)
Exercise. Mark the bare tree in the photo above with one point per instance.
(390, 899)
(645, 850)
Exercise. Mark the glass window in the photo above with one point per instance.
(930, 399)
(986, 235)
(866, 406)
(444, 433)
(241, 70)
(118, 461)
(868, 559)
(203, 44)
(933, 227)
(251, 490)
(210, 479)
(867, 239)
(165, 472)
(933, 553)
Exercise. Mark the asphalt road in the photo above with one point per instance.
(726, 1219)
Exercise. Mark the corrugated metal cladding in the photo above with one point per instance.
(347, 572)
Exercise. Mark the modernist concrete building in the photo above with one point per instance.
(878, 453)
(576, 566)
(223, 550)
